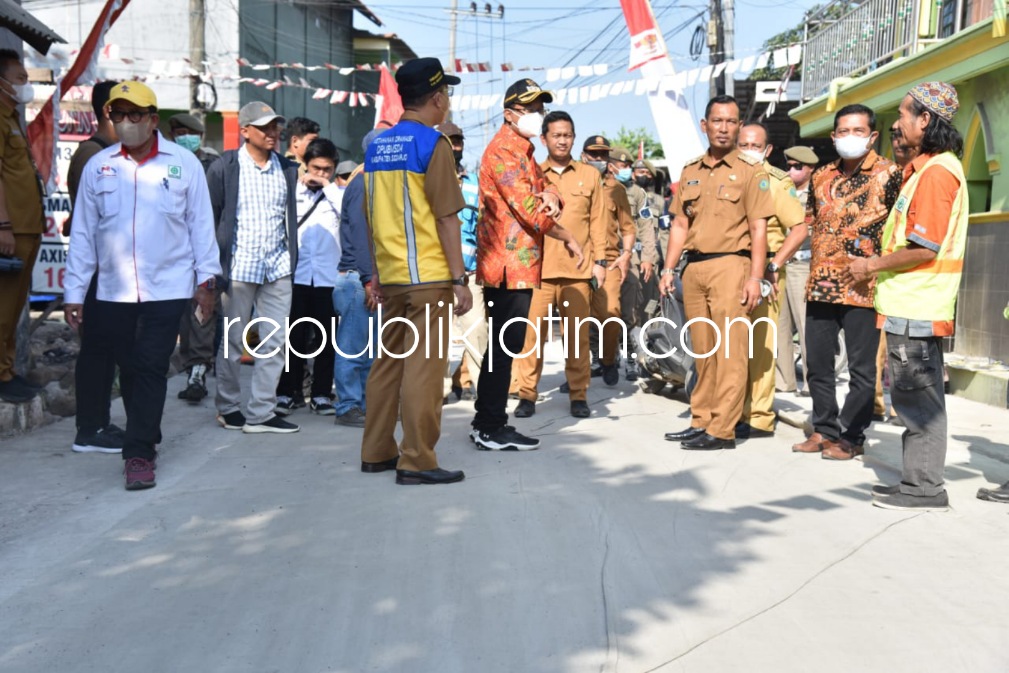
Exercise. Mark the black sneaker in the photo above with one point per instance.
(286, 405)
(886, 490)
(14, 392)
(276, 425)
(505, 438)
(100, 441)
(322, 406)
(353, 418)
(913, 503)
(631, 373)
(1000, 494)
(611, 375)
(196, 386)
(525, 409)
(233, 421)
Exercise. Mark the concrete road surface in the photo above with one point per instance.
(607, 550)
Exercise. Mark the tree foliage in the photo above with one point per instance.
(630, 139)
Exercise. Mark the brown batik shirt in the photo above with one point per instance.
(848, 215)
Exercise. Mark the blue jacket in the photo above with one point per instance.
(222, 179)
(354, 244)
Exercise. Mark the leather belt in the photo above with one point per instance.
(693, 256)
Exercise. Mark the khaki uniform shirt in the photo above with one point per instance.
(21, 183)
(646, 228)
(584, 215)
(620, 222)
(719, 198)
(789, 210)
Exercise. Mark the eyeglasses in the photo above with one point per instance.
(134, 116)
(449, 90)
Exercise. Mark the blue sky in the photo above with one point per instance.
(553, 33)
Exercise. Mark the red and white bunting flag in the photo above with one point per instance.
(273, 86)
(338, 97)
(388, 105)
(646, 40)
(507, 67)
(44, 129)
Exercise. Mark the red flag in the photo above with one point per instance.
(388, 105)
(641, 150)
(43, 129)
(646, 40)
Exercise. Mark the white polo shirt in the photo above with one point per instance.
(147, 229)
(318, 236)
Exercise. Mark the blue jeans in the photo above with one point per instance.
(357, 333)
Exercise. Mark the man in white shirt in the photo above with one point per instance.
(143, 223)
(252, 190)
(318, 200)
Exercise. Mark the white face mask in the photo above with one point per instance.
(23, 93)
(530, 124)
(132, 134)
(754, 154)
(851, 147)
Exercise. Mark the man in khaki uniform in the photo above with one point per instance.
(646, 258)
(565, 287)
(786, 230)
(644, 254)
(620, 235)
(21, 219)
(721, 210)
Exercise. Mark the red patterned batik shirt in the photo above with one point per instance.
(510, 230)
(848, 214)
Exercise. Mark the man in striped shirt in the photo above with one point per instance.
(252, 190)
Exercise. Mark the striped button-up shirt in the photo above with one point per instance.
(259, 252)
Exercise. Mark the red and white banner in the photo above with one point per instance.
(42, 131)
(646, 39)
(388, 105)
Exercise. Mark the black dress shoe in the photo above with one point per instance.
(435, 476)
(708, 443)
(384, 466)
(580, 409)
(684, 435)
(564, 389)
(525, 409)
(747, 431)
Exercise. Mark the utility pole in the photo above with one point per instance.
(454, 12)
(728, 46)
(197, 53)
(716, 45)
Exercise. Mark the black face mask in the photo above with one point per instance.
(643, 181)
(458, 156)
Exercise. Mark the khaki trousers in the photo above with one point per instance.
(556, 292)
(758, 407)
(606, 305)
(410, 386)
(792, 318)
(14, 288)
(712, 290)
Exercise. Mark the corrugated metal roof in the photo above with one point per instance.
(18, 21)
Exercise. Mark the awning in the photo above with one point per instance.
(27, 27)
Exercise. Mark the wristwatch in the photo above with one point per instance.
(772, 267)
(462, 280)
(667, 272)
(209, 284)
(602, 262)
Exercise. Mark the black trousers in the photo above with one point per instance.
(142, 337)
(94, 373)
(861, 339)
(496, 372)
(308, 301)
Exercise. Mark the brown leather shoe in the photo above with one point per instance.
(811, 445)
(842, 449)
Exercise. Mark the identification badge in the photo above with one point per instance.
(691, 183)
(901, 204)
(175, 172)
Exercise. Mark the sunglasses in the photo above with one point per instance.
(116, 116)
(793, 166)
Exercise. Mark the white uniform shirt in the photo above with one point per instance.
(318, 236)
(147, 229)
